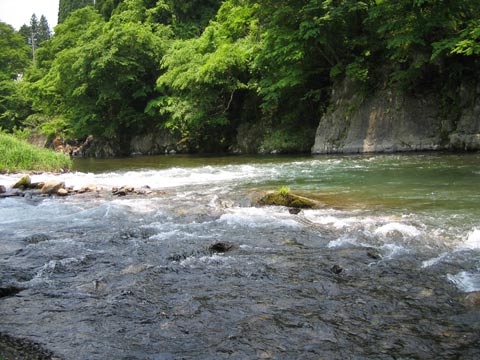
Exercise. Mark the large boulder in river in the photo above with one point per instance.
(52, 187)
(282, 198)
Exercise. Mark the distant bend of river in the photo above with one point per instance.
(387, 268)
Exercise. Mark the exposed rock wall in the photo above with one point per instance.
(466, 135)
(153, 143)
(390, 121)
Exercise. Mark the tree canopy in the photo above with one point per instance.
(66, 7)
(205, 69)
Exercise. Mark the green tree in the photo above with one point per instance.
(44, 33)
(14, 54)
(106, 7)
(420, 36)
(66, 7)
(37, 33)
(207, 78)
(104, 74)
(83, 26)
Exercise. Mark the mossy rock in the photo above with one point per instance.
(23, 183)
(288, 200)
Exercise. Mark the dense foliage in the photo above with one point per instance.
(66, 7)
(221, 72)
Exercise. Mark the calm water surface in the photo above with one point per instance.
(386, 269)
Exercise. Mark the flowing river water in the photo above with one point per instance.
(387, 268)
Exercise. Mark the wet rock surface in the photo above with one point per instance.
(220, 247)
(19, 349)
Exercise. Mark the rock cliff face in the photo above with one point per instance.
(390, 121)
(154, 143)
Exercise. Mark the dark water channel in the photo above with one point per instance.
(389, 268)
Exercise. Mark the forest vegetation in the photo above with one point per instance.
(204, 69)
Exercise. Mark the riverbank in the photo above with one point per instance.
(17, 155)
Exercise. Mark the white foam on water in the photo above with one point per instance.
(469, 242)
(29, 215)
(337, 223)
(157, 179)
(139, 206)
(256, 217)
(434, 261)
(392, 250)
(405, 230)
(215, 260)
(465, 281)
(167, 234)
(341, 242)
(473, 240)
(177, 234)
(340, 220)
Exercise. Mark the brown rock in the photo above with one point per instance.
(473, 299)
(88, 188)
(124, 190)
(52, 187)
(62, 192)
(3, 189)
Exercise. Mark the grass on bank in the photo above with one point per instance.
(18, 155)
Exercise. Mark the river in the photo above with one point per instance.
(387, 268)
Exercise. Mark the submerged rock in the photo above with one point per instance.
(374, 254)
(220, 247)
(36, 238)
(292, 242)
(134, 269)
(9, 291)
(3, 189)
(473, 299)
(336, 269)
